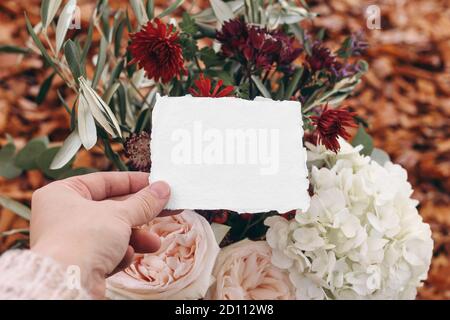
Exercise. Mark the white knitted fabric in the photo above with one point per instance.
(27, 275)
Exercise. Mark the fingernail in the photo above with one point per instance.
(160, 189)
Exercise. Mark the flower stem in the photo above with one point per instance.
(113, 156)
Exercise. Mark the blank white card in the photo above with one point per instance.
(230, 153)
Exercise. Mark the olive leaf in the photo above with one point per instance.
(86, 124)
(73, 57)
(171, 8)
(68, 150)
(64, 22)
(45, 160)
(221, 10)
(100, 110)
(48, 11)
(16, 207)
(101, 61)
(293, 83)
(139, 11)
(261, 87)
(13, 49)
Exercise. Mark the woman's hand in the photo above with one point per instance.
(87, 221)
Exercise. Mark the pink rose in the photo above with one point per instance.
(243, 271)
(181, 269)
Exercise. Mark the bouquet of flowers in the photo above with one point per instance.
(362, 236)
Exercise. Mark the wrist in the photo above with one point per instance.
(76, 267)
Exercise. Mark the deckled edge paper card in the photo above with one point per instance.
(230, 153)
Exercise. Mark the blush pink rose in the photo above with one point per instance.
(243, 271)
(181, 269)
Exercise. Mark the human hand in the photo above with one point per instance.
(87, 221)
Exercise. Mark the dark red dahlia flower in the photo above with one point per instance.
(288, 50)
(330, 124)
(137, 149)
(256, 47)
(232, 36)
(157, 49)
(321, 58)
(204, 88)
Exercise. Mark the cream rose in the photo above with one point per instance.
(243, 271)
(181, 269)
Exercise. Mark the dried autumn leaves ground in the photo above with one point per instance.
(405, 97)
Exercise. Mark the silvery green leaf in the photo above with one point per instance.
(380, 156)
(139, 80)
(86, 124)
(206, 29)
(44, 11)
(293, 83)
(151, 98)
(109, 112)
(73, 58)
(4, 48)
(100, 110)
(261, 87)
(220, 231)
(207, 15)
(68, 150)
(222, 10)
(335, 100)
(33, 34)
(298, 32)
(14, 231)
(64, 22)
(95, 106)
(290, 18)
(124, 106)
(100, 61)
(88, 41)
(45, 87)
(139, 11)
(110, 92)
(50, 7)
(46, 158)
(171, 8)
(150, 9)
(15, 207)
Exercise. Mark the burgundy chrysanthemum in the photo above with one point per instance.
(137, 149)
(256, 47)
(321, 58)
(288, 50)
(157, 49)
(330, 124)
(204, 88)
(233, 36)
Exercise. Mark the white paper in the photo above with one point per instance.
(230, 153)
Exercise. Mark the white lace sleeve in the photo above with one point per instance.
(27, 275)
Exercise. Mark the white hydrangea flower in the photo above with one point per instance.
(362, 237)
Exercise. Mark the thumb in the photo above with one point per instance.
(145, 205)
